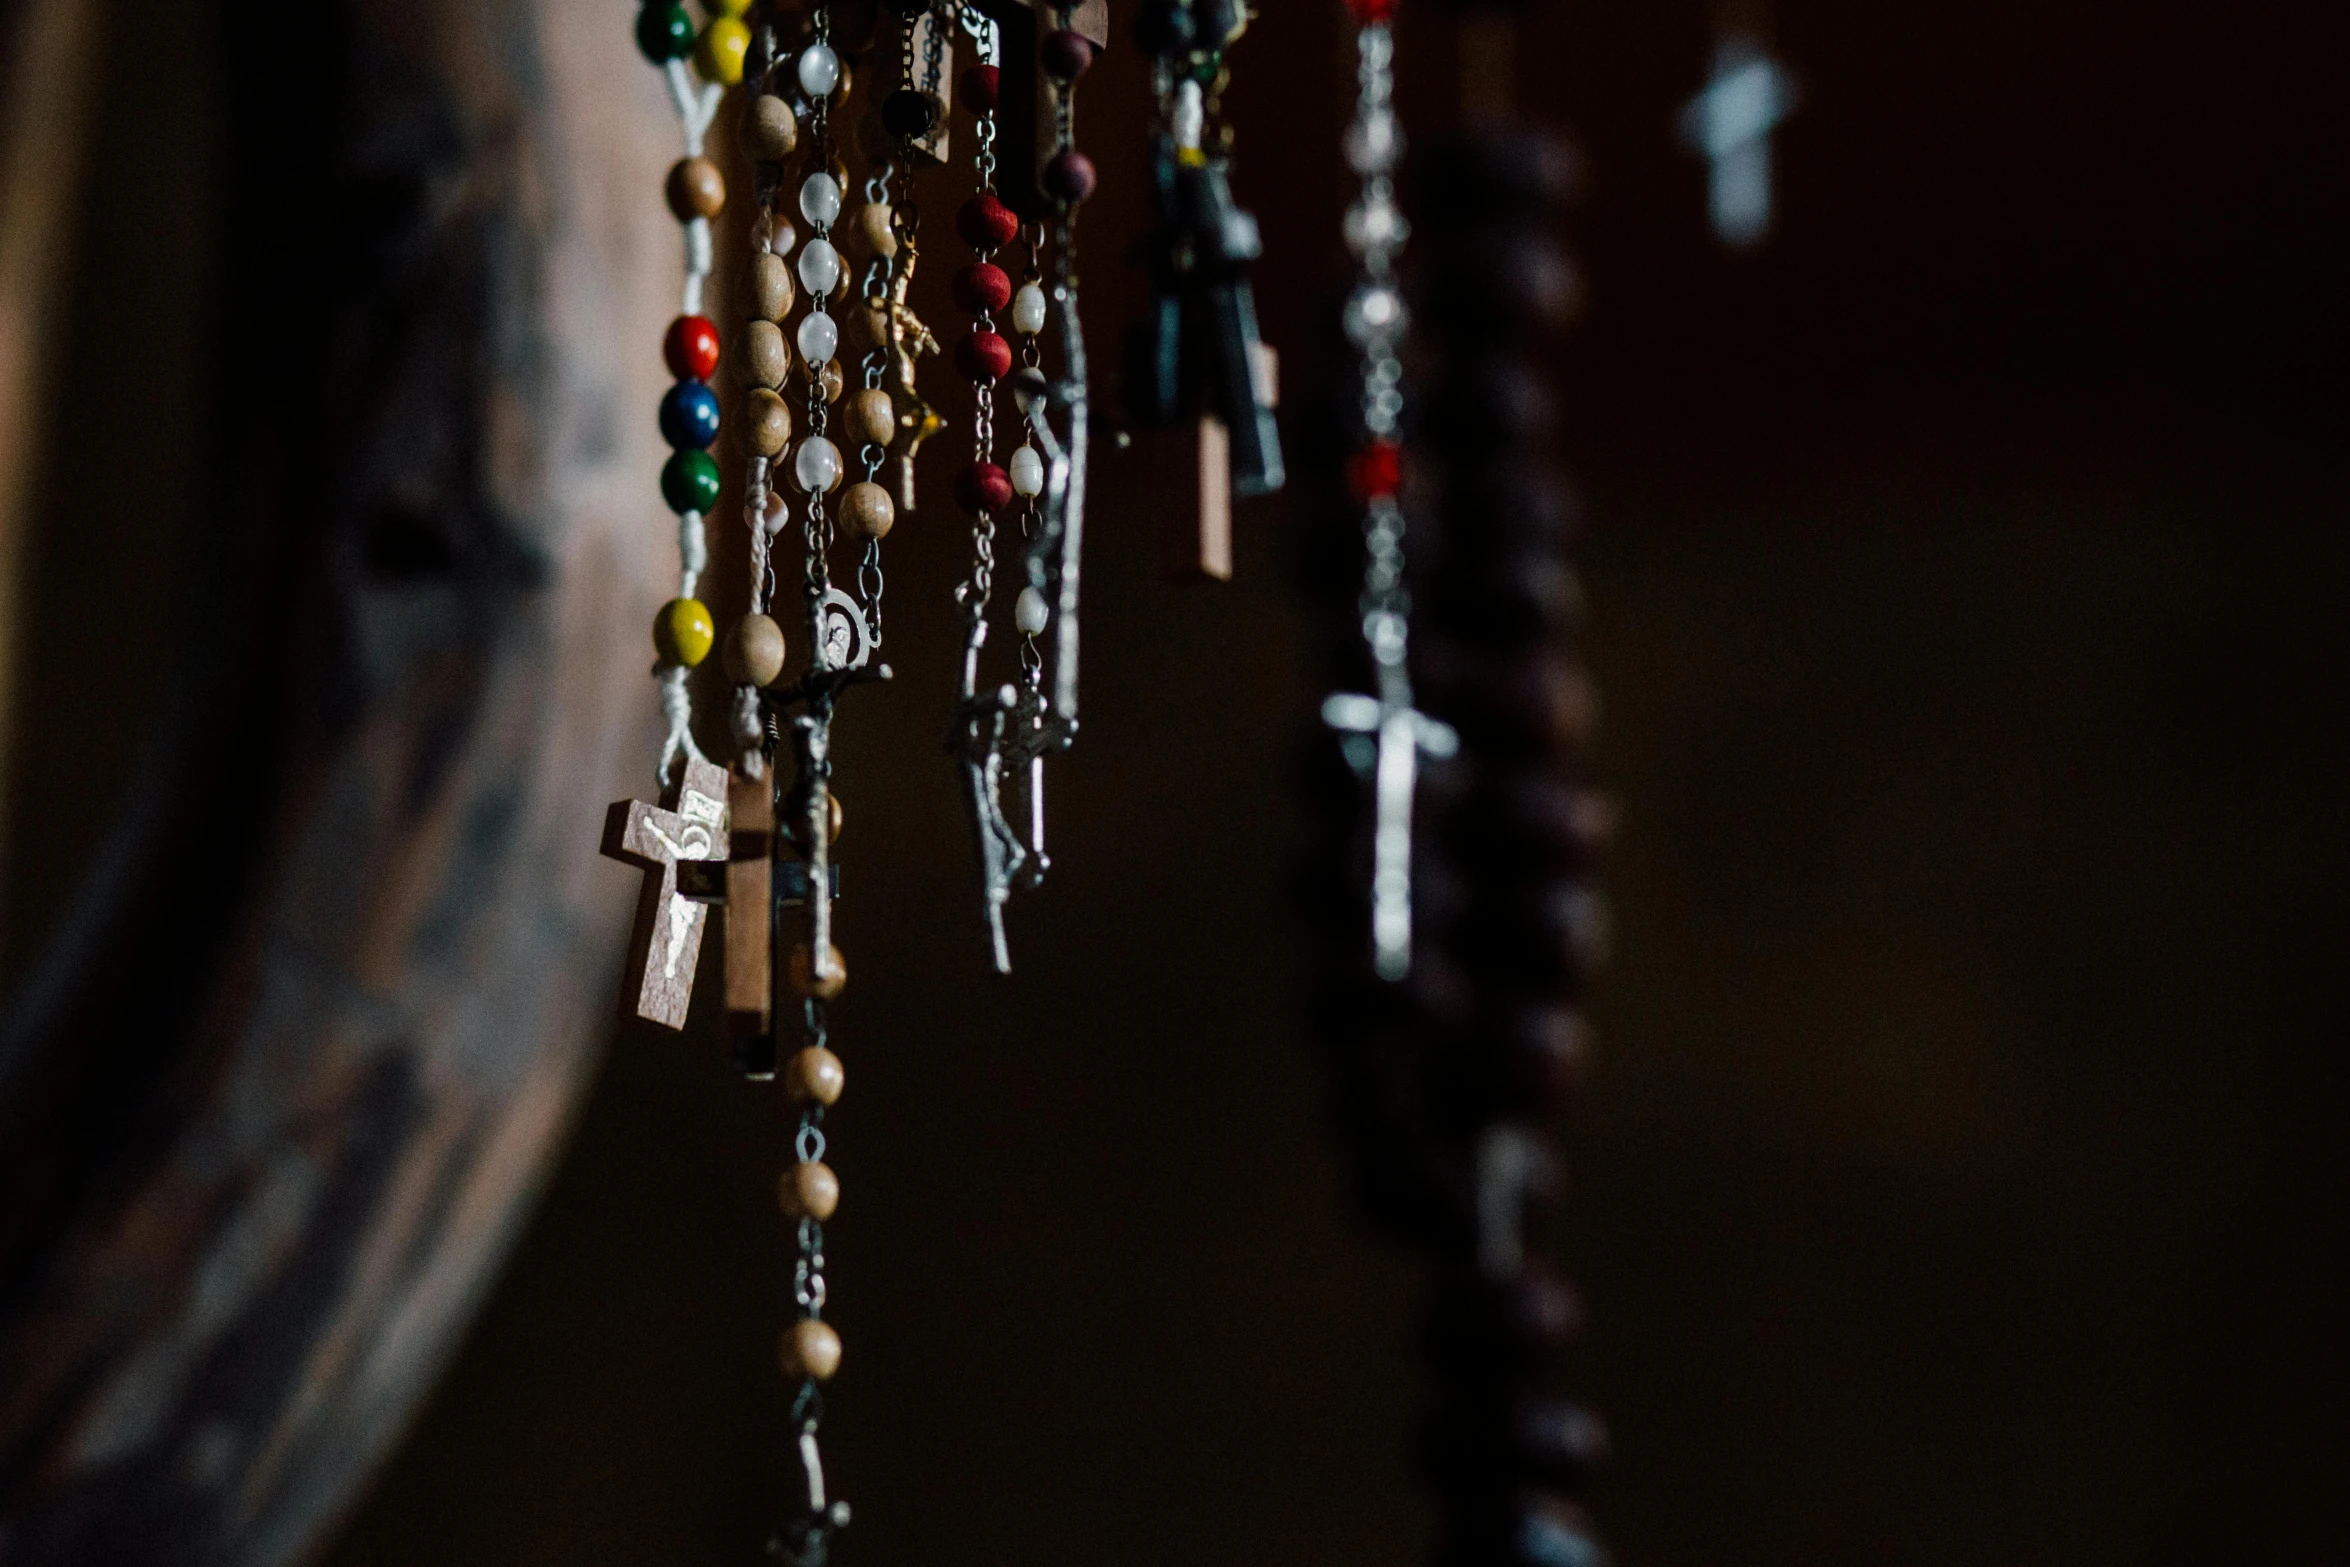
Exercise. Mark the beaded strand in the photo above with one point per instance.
(696, 192)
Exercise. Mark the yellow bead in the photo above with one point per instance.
(718, 54)
(683, 632)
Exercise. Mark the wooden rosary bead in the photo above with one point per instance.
(986, 224)
(770, 131)
(867, 511)
(766, 423)
(809, 1191)
(754, 651)
(762, 357)
(979, 88)
(805, 983)
(814, 1075)
(683, 632)
(1070, 177)
(832, 822)
(871, 419)
(876, 223)
(981, 288)
(810, 1351)
(983, 488)
(696, 189)
(828, 377)
(773, 288)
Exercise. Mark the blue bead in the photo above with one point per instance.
(689, 416)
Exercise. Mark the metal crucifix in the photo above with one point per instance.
(1007, 733)
(1387, 738)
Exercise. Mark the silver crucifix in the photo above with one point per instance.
(1398, 737)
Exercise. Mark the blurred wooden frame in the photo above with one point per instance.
(50, 88)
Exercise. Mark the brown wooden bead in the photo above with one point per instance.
(761, 356)
(870, 419)
(770, 131)
(809, 1191)
(810, 1351)
(868, 329)
(766, 424)
(754, 650)
(815, 1075)
(867, 511)
(880, 237)
(696, 189)
(772, 288)
(832, 822)
(830, 378)
(805, 982)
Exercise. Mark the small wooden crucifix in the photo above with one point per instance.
(1386, 740)
(667, 945)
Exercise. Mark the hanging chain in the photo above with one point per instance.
(1376, 318)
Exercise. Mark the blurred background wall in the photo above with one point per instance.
(1968, 578)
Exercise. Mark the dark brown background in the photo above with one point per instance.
(1968, 596)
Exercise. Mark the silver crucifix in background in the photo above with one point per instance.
(1747, 97)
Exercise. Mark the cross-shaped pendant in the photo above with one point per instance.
(667, 945)
(1395, 737)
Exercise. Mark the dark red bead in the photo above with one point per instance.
(983, 356)
(1066, 54)
(983, 487)
(1374, 471)
(982, 289)
(986, 224)
(691, 348)
(1069, 177)
(1370, 11)
(977, 89)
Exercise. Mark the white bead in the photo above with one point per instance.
(1375, 314)
(1031, 614)
(819, 71)
(773, 517)
(1028, 310)
(1374, 143)
(1374, 224)
(820, 200)
(1027, 470)
(819, 339)
(817, 465)
(819, 267)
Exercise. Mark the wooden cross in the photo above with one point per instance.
(742, 884)
(1198, 548)
(1403, 736)
(667, 945)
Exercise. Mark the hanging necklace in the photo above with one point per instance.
(1196, 353)
(1385, 736)
(690, 823)
(1452, 1080)
(1002, 736)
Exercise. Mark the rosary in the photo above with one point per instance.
(1440, 1078)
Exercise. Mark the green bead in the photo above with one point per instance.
(664, 32)
(689, 482)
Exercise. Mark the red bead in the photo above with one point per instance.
(983, 356)
(982, 289)
(1370, 11)
(1069, 177)
(1066, 54)
(983, 487)
(986, 224)
(691, 348)
(978, 89)
(1375, 471)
